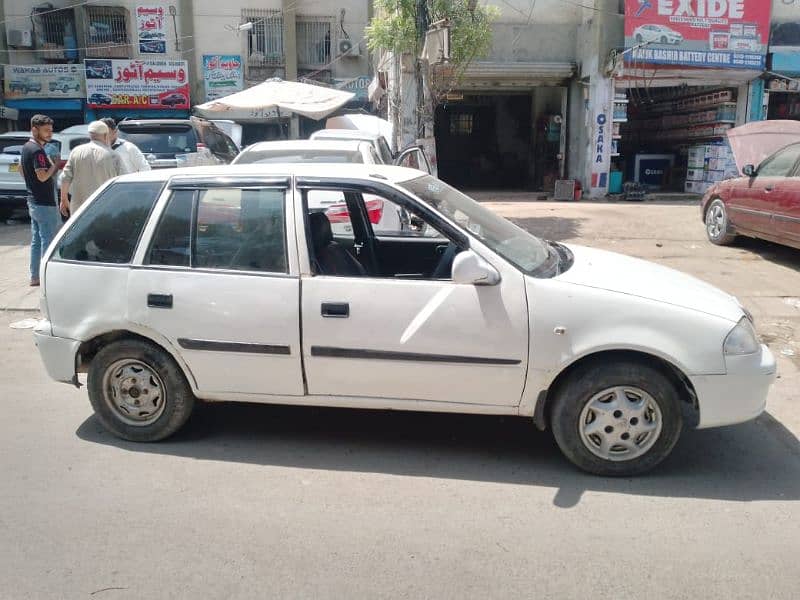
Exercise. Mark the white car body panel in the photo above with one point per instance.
(604, 302)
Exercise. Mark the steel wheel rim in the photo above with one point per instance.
(715, 221)
(620, 423)
(134, 392)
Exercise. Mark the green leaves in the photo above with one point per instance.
(394, 27)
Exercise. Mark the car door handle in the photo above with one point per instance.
(336, 310)
(159, 300)
(769, 188)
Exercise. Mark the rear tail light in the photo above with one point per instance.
(338, 213)
(61, 163)
(374, 210)
(200, 146)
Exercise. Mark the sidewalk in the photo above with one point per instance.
(15, 252)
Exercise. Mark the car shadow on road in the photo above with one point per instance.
(774, 253)
(551, 228)
(755, 461)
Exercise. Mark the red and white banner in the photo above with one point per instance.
(140, 84)
(699, 33)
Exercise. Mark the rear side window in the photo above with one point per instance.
(223, 228)
(109, 229)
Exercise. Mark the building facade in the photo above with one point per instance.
(82, 60)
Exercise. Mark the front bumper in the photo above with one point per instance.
(738, 396)
(58, 354)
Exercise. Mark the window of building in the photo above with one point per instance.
(461, 124)
(314, 41)
(107, 32)
(55, 34)
(265, 39)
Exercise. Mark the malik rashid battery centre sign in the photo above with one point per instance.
(697, 33)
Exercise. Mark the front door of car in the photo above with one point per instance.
(413, 157)
(756, 199)
(219, 281)
(400, 336)
(787, 211)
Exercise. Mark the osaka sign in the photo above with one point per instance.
(697, 33)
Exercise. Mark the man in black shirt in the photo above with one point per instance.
(39, 171)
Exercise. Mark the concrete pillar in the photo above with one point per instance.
(289, 8)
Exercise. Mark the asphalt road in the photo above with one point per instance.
(279, 502)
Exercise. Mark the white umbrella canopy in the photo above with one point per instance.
(312, 101)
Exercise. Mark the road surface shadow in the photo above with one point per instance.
(774, 253)
(755, 461)
(551, 228)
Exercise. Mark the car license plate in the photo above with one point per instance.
(13, 168)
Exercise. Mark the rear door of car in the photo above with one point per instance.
(217, 276)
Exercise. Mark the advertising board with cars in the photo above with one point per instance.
(139, 84)
(150, 31)
(223, 75)
(43, 81)
(698, 33)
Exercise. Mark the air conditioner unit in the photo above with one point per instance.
(20, 38)
(348, 48)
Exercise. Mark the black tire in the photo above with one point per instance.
(176, 395)
(718, 226)
(639, 38)
(587, 381)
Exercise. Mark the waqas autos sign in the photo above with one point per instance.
(697, 33)
(142, 84)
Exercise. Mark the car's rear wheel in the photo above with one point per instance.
(718, 226)
(138, 392)
(617, 419)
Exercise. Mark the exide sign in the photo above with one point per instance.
(700, 33)
(733, 9)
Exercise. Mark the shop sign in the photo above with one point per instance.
(139, 84)
(11, 114)
(697, 33)
(43, 81)
(223, 75)
(354, 85)
(150, 29)
(601, 138)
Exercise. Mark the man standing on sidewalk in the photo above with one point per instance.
(39, 170)
(88, 167)
(132, 158)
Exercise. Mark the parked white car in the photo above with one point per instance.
(658, 34)
(332, 201)
(412, 156)
(220, 284)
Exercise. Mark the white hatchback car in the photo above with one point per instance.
(219, 284)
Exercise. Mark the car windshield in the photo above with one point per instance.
(298, 156)
(162, 140)
(12, 143)
(525, 251)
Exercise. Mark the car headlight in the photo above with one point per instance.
(742, 339)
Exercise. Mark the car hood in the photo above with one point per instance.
(753, 142)
(634, 277)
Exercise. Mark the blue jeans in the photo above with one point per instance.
(45, 222)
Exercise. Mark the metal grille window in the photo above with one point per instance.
(107, 32)
(461, 124)
(265, 39)
(315, 41)
(55, 34)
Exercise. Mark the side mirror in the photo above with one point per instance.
(749, 170)
(471, 269)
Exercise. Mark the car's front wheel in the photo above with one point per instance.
(138, 392)
(619, 419)
(718, 226)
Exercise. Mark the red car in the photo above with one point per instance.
(765, 202)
